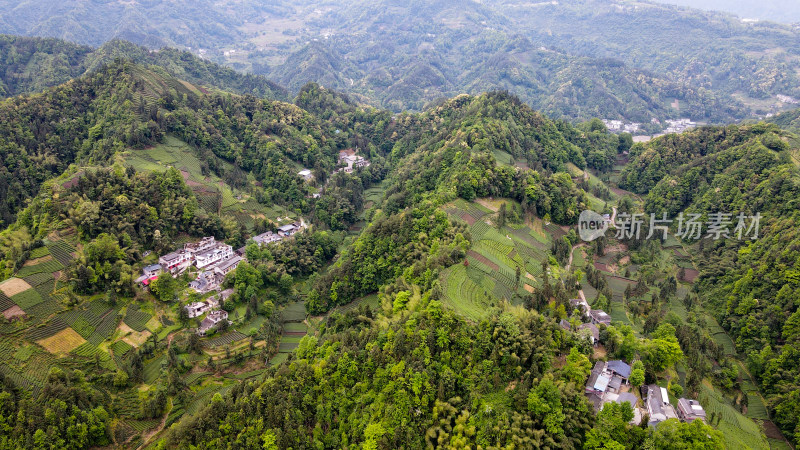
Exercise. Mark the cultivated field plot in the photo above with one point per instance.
(47, 267)
(738, 431)
(62, 251)
(226, 339)
(14, 286)
(62, 342)
(27, 299)
(136, 319)
(497, 255)
(294, 312)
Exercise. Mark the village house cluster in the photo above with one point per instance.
(283, 232)
(609, 380)
(213, 260)
(619, 126)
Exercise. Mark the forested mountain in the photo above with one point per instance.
(34, 64)
(575, 59)
(424, 303)
(751, 286)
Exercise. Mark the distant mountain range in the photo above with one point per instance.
(573, 59)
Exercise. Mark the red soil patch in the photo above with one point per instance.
(483, 259)
(469, 219)
(14, 312)
(690, 275)
(772, 431)
(602, 267)
(294, 333)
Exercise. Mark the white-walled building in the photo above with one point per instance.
(218, 253)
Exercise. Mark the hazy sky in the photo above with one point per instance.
(787, 11)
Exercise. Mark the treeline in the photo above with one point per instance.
(752, 286)
(650, 162)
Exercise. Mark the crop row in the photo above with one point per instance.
(47, 330)
(5, 302)
(137, 319)
(46, 267)
(61, 251)
(226, 339)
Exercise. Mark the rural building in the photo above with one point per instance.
(580, 305)
(218, 253)
(564, 324)
(225, 267)
(203, 245)
(658, 407)
(206, 281)
(197, 309)
(175, 262)
(599, 316)
(267, 238)
(620, 369)
(306, 174)
(690, 410)
(594, 333)
(289, 230)
(151, 270)
(211, 320)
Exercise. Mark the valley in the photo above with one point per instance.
(386, 247)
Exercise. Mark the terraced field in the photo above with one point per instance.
(738, 430)
(212, 193)
(490, 274)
